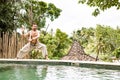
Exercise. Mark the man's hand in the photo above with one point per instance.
(24, 35)
(34, 38)
(30, 40)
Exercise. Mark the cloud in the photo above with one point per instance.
(74, 16)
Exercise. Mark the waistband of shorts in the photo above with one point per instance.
(33, 44)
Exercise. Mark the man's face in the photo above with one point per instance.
(34, 27)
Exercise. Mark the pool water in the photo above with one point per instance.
(55, 72)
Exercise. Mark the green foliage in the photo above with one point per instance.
(105, 57)
(50, 41)
(14, 13)
(63, 43)
(102, 40)
(57, 44)
(36, 11)
(36, 54)
(101, 5)
(102, 35)
(7, 12)
(116, 52)
(106, 38)
(84, 35)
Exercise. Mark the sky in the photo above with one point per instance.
(74, 16)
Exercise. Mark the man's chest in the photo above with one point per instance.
(33, 34)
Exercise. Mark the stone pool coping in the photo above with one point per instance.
(88, 64)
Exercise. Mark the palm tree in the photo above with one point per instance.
(103, 40)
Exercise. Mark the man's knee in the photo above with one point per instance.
(43, 45)
(23, 51)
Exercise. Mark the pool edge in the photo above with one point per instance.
(88, 64)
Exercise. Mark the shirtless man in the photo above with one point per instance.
(33, 43)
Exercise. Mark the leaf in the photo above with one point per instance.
(96, 12)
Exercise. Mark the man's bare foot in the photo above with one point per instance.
(16, 58)
(46, 57)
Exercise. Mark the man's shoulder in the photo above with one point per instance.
(38, 31)
(30, 31)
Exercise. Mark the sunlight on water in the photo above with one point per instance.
(58, 72)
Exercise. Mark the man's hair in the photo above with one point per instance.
(34, 23)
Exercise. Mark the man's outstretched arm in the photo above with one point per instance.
(24, 35)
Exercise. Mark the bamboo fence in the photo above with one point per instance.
(10, 44)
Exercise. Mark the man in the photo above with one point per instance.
(33, 43)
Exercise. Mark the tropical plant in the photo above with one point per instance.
(7, 13)
(63, 43)
(102, 40)
(84, 35)
(116, 53)
(57, 44)
(101, 5)
(29, 11)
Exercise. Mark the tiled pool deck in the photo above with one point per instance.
(88, 64)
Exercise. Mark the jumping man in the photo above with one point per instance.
(33, 43)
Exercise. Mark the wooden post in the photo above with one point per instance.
(0, 45)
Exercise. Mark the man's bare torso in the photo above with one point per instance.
(33, 35)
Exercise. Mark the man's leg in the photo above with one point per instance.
(44, 50)
(25, 50)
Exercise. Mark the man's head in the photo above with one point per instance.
(34, 26)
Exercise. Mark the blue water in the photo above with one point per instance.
(58, 72)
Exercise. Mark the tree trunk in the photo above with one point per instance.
(98, 51)
(97, 55)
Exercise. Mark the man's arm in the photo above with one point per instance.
(24, 35)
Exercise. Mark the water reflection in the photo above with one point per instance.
(57, 72)
(42, 71)
(25, 72)
(5, 68)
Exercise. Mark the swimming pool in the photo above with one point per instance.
(54, 72)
